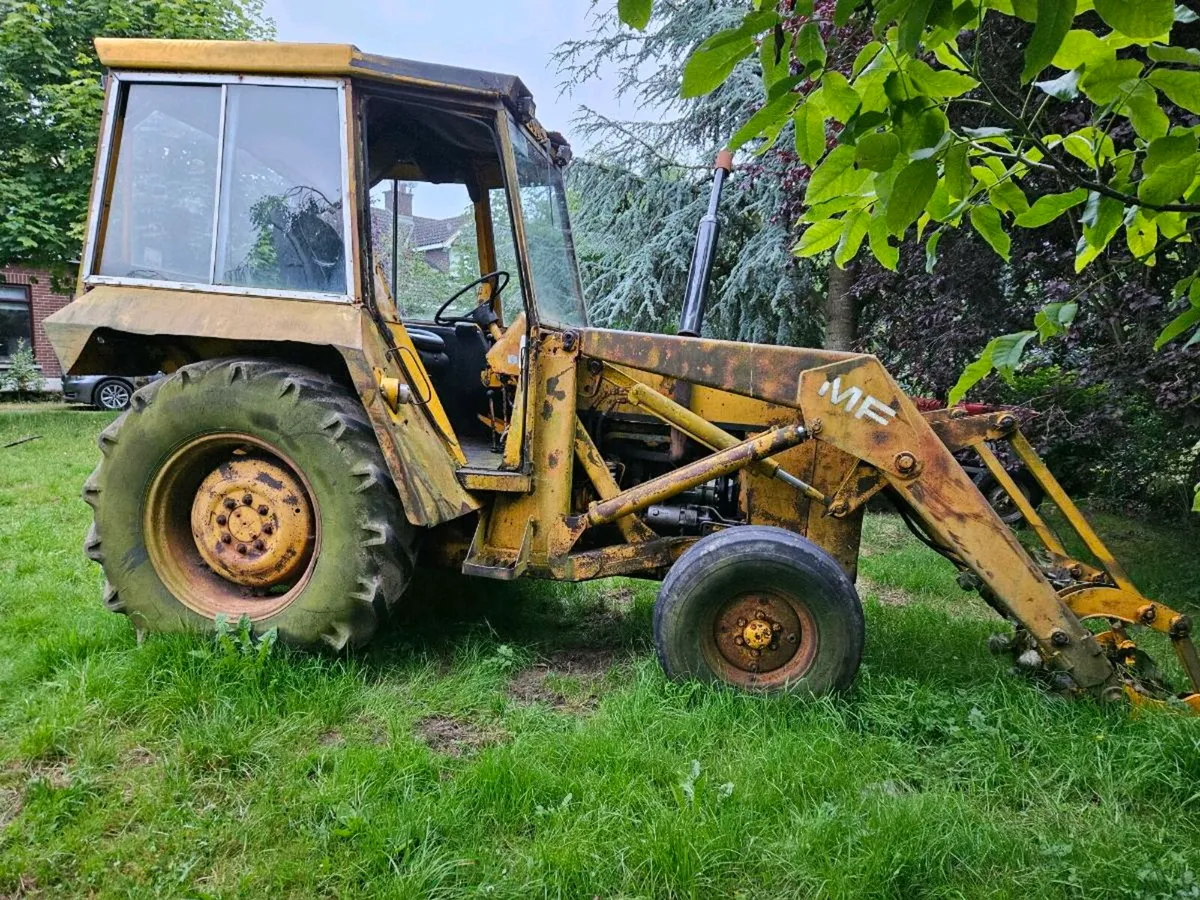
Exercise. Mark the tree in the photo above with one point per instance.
(50, 103)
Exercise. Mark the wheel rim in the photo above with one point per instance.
(762, 638)
(1004, 505)
(231, 527)
(114, 396)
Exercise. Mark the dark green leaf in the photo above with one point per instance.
(1054, 18)
(833, 176)
(958, 171)
(931, 252)
(1138, 18)
(1054, 319)
(912, 25)
(634, 13)
(1189, 318)
(1188, 56)
(1007, 350)
(911, 191)
(986, 221)
(843, 10)
(877, 150)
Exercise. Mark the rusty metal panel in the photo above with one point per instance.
(755, 370)
(841, 534)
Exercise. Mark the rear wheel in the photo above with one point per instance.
(248, 488)
(112, 395)
(761, 609)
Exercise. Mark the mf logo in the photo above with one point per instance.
(868, 407)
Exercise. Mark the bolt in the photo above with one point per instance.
(247, 499)
(1180, 627)
(222, 519)
(241, 548)
(1148, 613)
(739, 640)
(774, 645)
(791, 638)
(905, 462)
(595, 366)
(262, 509)
(268, 528)
(756, 653)
(775, 626)
(1060, 638)
(260, 544)
(1077, 571)
(753, 667)
(815, 426)
(741, 623)
(839, 509)
(1007, 421)
(230, 503)
(226, 538)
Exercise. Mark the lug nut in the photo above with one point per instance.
(756, 653)
(1148, 613)
(241, 548)
(230, 503)
(1077, 571)
(741, 623)
(739, 640)
(905, 462)
(260, 544)
(226, 538)
(247, 499)
(262, 510)
(222, 519)
(268, 528)
(791, 638)
(775, 626)
(1060, 638)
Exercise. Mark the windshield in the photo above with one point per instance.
(237, 185)
(556, 287)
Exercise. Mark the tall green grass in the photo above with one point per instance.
(179, 768)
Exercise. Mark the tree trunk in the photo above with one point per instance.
(841, 313)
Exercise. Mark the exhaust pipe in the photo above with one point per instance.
(700, 270)
(696, 295)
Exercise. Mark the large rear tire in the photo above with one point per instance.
(248, 487)
(761, 609)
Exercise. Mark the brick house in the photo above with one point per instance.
(26, 299)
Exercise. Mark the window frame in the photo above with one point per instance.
(28, 291)
(100, 204)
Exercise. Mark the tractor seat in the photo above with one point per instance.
(427, 341)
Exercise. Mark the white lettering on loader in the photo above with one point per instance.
(868, 407)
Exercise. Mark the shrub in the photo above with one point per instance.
(23, 374)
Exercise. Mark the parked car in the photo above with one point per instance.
(109, 392)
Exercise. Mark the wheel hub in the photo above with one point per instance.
(759, 632)
(252, 523)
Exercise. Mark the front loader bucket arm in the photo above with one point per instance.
(863, 412)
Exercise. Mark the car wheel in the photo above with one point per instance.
(112, 395)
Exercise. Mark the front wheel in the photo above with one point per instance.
(248, 488)
(112, 395)
(761, 609)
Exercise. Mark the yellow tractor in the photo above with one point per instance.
(354, 389)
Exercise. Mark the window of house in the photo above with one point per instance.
(16, 322)
(236, 185)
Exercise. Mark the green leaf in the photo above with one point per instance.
(1007, 197)
(986, 221)
(1054, 18)
(1002, 354)
(1138, 18)
(911, 191)
(931, 252)
(1169, 168)
(835, 176)
(958, 172)
(1082, 48)
(1141, 235)
(877, 150)
(1065, 87)
(809, 124)
(711, 62)
(946, 55)
(634, 13)
(819, 237)
(1189, 318)
(881, 244)
(1107, 81)
(810, 49)
(939, 83)
(769, 118)
(1181, 87)
(912, 25)
(1049, 207)
(840, 98)
(843, 10)
(853, 232)
(1188, 56)
(1054, 319)
(1141, 105)
(774, 58)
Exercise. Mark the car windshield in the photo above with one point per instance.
(556, 288)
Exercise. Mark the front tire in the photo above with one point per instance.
(761, 609)
(112, 395)
(248, 488)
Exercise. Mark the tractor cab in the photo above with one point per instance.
(427, 195)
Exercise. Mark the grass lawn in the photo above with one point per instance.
(525, 743)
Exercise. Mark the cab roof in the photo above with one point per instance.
(296, 59)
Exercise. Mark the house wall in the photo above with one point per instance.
(44, 302)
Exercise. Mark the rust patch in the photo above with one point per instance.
(265, 478)
(455, 737)
(553, 390)
(554, 459)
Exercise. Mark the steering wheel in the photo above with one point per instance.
(471, 316)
